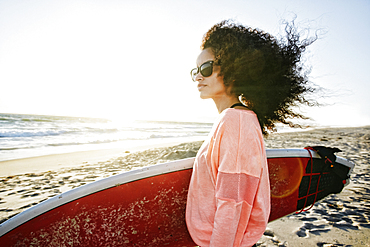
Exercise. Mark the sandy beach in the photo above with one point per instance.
(337, 220)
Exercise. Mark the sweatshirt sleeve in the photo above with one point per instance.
(238, 155)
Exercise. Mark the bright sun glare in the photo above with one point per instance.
(131, 59)
(90, 60)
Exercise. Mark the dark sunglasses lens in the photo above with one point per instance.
(206, 69)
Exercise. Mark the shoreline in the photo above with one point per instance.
(337, 220)
(54, 162)
(57, 161)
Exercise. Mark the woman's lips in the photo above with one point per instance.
(201, 86)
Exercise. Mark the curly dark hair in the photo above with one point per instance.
(266, 73)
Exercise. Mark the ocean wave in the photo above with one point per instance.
(55, 132)
(170, 135)
(10, 149)
(14, 134)
(36, 120)
(159, 136)
(16, 148)
(4, 119)
(27, 135)
(100, 130)
(81, 143)
(88, 142)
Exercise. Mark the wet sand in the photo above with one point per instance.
(337, 220)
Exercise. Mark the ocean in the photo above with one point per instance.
(23, 136)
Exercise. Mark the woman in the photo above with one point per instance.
(253, 81)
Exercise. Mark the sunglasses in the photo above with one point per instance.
(206, 69)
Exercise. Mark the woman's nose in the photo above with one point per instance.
(199, 77)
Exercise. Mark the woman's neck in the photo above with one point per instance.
(225, 102)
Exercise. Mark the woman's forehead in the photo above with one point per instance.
(205, 56)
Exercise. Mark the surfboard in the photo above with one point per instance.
(146, 207)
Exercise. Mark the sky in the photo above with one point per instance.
(123, 59)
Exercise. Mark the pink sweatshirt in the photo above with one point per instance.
(229, 194)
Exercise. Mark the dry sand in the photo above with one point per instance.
(338, 220)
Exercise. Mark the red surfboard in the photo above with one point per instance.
(146, 207)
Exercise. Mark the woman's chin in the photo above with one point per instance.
(204, 96)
